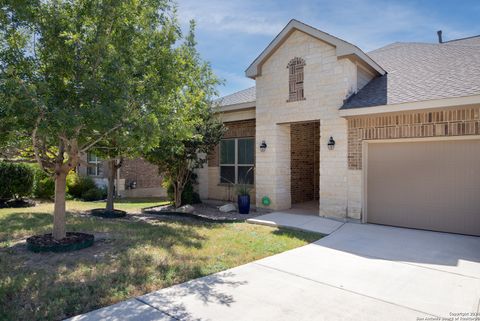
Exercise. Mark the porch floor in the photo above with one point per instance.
(305, 208)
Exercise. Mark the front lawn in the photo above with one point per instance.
(129, 258)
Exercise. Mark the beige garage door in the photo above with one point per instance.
(433, 185)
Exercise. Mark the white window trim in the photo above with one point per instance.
(96, 162)
(235, 164)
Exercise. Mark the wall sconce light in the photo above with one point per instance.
(133, 185)
(331, 143)
(263, 146)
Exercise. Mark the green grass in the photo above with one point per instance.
(129, 259)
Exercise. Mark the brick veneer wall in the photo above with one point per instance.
(144, 173)
(304, 151)
(447, 122)
(243, 128)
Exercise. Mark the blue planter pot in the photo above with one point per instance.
(243, 204)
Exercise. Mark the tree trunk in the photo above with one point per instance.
(177, 191)
(59, 220)
(112, 169)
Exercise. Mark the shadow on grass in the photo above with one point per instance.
(46, 295)
(24, 224)
(130, 259)
(142, 200)
(300, 235)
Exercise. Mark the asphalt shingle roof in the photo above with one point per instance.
(415, 72)
(422, 71)
(242, 96)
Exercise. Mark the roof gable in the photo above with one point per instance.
(343, 48)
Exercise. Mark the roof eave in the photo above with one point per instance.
(344, 49)
(411, 106)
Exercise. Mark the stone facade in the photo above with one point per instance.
(305, 144)
(327, 82)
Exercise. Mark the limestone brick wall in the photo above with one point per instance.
(327, 82)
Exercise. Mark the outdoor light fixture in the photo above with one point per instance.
(133, 185)
(263, 146)
(331, 143)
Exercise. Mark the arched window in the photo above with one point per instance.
(295, 79)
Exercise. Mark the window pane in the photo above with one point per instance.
(245, 174)
(90, 157)
(227, 174)
(91, 171)
(227, 151)
(245, 151)
(99, 169)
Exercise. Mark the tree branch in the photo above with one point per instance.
(90, 145)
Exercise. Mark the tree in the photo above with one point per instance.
(192, 130)
(76, 73)
(129, 142)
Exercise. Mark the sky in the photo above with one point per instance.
(231, 34)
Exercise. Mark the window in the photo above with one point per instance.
(295, 79)
(94, 167)
(237, 160)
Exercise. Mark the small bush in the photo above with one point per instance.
(43, 184)
(16, 180)
(84, 188)
(189, 196)
(94, 194)
(80, 185)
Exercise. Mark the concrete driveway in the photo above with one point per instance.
(360, 272)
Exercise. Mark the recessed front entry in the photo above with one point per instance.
(304, 162)
(433, 185)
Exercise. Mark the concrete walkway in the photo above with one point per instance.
(310, 223)
(359, 272)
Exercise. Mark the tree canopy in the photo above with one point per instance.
(75, 74)
(192, 130)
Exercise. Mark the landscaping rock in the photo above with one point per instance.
(186, 209)
(227, 208)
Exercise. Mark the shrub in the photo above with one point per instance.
(84, 188)
(189, 196)
(94, 194)
(16, 180)
(43, 184)
(80, 185)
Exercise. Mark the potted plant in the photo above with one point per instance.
(243, 194)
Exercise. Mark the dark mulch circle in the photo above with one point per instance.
(16, 203)
(102, 212)
(72, 242)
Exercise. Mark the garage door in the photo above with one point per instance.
(433, 185)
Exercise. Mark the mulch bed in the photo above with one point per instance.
(203, 211)
(72, 242)
(20, 203)
(102, 212)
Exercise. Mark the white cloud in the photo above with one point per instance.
(240, 17)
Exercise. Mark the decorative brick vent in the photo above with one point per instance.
(448, 122)
(236, 129)
(305, 145)
(295, 79)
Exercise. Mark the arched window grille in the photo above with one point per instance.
(295, 79)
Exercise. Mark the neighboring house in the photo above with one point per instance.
(389, 137)
(136, 177)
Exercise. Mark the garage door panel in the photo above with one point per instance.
(429, 185)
